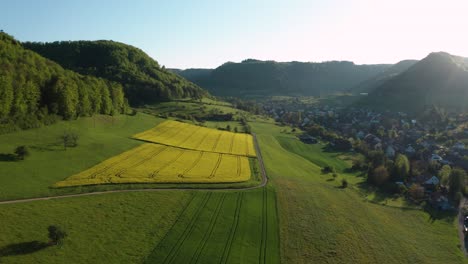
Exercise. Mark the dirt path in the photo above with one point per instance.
(261, 185)
(461, 234)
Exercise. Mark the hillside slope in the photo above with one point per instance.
(33, 90)
(143, 79)
(370, 84)
(440, 80)
(257, 78)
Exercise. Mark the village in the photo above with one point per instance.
(434, 145)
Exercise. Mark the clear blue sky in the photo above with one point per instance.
(207, 33)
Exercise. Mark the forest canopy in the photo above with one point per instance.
(36, 91)
(143, 79)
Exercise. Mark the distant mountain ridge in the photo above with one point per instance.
(143, 79)
(258, 78)
(440, 79)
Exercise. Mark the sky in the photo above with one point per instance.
(208, 33)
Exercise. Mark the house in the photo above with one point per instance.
(431, 183)
(435, 157)
(439, 201)
(459, 146)
(390, 151)
(410, 150)
(372, 139)
(360, 135)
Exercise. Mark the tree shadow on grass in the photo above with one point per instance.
(57, 146)
(22, 248)
(8, 157)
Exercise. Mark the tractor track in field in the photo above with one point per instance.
(263, 242)
(214, 219)
(261, 185)
(187, 231)
(232, 233)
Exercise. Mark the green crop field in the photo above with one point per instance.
(235, 227)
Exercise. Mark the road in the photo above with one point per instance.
(261, 185)
(461, 234)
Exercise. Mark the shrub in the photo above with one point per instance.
(344, 183)
(328, 169)
(21, 152)
(69, 139)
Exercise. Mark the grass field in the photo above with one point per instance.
(183, 135)
(100, 137)
(113, 228)
(150, 163)
(323, 223)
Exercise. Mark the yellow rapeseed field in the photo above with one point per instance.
(155, 163)
(187, 136)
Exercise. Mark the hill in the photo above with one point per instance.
(143, 79)
(257, 78)
(374, 82)
(34, 90)
(439, 80)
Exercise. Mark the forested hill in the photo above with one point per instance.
(439, 80)
(254, 77)
(143, 79)
(374, 82)
(35, 90)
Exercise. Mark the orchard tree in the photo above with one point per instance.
(56, 235)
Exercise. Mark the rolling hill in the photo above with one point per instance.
(143, 79)
(440, 80)
(377, 80)
(258, 78)
(35, 90)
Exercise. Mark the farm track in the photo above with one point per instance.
(167, 164)
(213, 172)
(261, 185)
(461, 233)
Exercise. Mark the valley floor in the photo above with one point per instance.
(301, 216)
